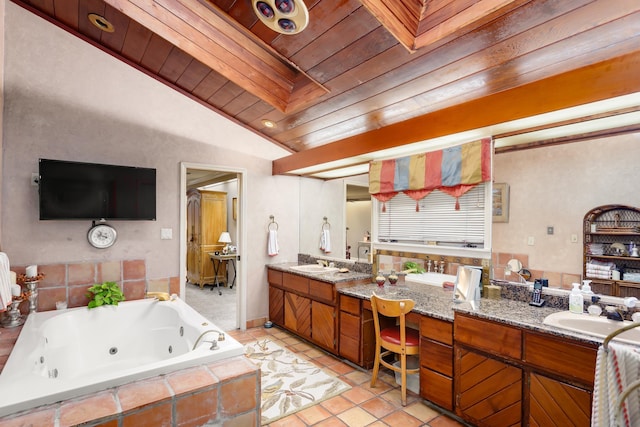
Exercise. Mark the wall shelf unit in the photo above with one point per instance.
(610, 233)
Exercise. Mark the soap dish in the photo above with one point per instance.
(344, 270)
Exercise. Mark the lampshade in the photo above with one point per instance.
(224, 237)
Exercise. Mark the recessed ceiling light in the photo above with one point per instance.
(268, 123)
(282, 16)
(101, 22)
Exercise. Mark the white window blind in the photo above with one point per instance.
(437, 219)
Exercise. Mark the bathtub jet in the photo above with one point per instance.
(63, 354)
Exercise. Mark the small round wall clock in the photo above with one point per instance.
(102, 236)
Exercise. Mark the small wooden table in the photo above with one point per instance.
(216, 266)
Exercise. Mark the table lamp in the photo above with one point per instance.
(226, 239)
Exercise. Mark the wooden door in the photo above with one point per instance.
(350, 336)
(323, 325)
(193, 237)
(488, 391)
(297, 314)
(554, 403)
(213, 221)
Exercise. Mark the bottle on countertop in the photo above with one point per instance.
(576, 300)
(586, 289)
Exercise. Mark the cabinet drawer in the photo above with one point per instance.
(561, 356)
(322, 290)
(350, 304)
(437, 388)
(274, 277)
(436, 356)
(492, 337)
(295, 283)
(436, 329)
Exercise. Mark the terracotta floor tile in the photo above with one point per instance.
(401, 418)
(337, 404)
(358, 395)
(331, 422)
(290, 421)
(314, 414)
(444, 421)
(359, 377)
(357, 417)
(341, 368)
(378, 407)
(421, 411)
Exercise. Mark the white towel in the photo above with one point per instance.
(5, 282)
(272, 243)
(325, 241)
(616, 370)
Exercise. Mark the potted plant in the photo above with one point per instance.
(107, 293)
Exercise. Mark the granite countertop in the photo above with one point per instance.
(332, 277)
(438, 303)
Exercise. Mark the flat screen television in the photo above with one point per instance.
(75, 190)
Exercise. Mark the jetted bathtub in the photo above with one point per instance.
(68, 353)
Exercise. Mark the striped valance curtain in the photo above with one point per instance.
(453, 170)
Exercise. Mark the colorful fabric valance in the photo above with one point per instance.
(454, 171)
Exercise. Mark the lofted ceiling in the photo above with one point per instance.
(366, 76)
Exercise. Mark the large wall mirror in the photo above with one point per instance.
(551, 189)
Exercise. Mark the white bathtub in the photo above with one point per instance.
(433, 279)
(68, 353)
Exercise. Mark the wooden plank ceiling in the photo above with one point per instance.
(370, 74)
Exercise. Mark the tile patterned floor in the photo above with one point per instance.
(361, 405)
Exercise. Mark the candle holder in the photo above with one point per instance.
(32, 287)
(13, 317)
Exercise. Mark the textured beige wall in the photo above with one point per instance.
(67, 100)
(557, 186)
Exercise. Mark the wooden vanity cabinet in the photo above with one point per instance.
(561, 372)
(507, 376)
(488, 387)
(357, 332)
(304, 306)
(436, 361)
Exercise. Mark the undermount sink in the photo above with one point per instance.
(598, 326)
(314, 268)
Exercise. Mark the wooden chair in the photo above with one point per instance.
(398, 339)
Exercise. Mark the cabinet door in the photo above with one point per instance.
(213, 211)
(554, 403)
(488, 391)
(323, 325)
(276, 305)
(350, 336)
(297, 314)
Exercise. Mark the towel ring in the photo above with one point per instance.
(326, 225)
(272, 222)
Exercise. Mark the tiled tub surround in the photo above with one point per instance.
(70, 281)
(224, 393)
(64, 354)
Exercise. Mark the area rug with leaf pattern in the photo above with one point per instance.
(289, 383)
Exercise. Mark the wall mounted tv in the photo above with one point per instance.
(74, 190)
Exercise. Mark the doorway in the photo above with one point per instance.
(224, 307)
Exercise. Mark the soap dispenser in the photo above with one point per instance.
(576, 300)
(586, 289)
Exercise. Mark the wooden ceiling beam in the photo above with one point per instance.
(207, 34)
(403, 20)
(596, 82)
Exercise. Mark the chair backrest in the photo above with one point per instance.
(390, 308)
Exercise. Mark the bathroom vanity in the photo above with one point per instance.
(494, 365)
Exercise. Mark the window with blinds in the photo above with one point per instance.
(437, 220)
